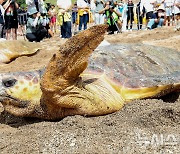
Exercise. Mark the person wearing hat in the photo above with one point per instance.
(159, 18)
(35, 30)
(148, 5)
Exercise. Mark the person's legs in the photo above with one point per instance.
(85, 21)
(140, 22)
(131, 22)
(63, 30)
(41, 34)
(7, 27)
(101, 19)
(96, 18)
(128, 18)
(50, 33)
(1, 30)
(110, 29)
(8, 34)
(151, 24)
(14, 33)
(68, 32)
(160, 23)
(54, 26)
(81, 18)
(31, 37)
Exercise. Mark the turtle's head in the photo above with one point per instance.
(19, 89)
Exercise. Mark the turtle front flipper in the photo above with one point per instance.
(68, 63)
(71, 60)
(19, 111)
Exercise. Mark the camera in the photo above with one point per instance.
(111, 6)
(12, 1)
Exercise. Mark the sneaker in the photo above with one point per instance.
(110, 33)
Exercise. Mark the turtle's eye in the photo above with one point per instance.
(9, 82)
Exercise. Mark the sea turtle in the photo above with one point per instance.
(115, 75)
(11, 49)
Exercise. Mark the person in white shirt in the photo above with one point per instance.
(38, 4)
(176, 13)
(99, 5)
(169, 10)
(83, 10)
(64, 9)
(149, 8)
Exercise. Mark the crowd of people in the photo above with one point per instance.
(41, 20)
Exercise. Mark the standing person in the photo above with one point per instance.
(149, 8)
(130, 14)
(140, 15)
(169, 10)
(22, 20)
(52, 13)
(11, 19)
(83, 12)
(99, 18)
(1, 19)
(64, 12)
(74, 17)
(176, 12)
(123, 11)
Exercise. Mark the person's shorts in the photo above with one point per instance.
(10, 22)
(149, 15)
(53, 19)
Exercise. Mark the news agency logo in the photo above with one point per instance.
(161, 143)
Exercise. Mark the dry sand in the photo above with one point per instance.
(142, 126)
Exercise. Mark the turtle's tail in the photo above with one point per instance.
(71, 60)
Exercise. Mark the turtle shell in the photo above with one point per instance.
(136, 65)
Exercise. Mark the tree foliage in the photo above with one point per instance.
(21, 2)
